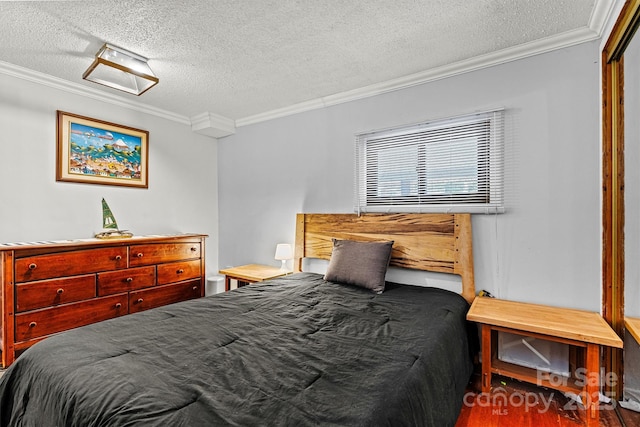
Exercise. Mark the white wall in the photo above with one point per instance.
(544, 249)
(182, 193)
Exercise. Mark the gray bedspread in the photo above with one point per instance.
(295, 351)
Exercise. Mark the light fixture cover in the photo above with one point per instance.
(122, 70)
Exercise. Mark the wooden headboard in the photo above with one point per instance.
(429, 242)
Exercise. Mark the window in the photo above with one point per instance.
(451, 165)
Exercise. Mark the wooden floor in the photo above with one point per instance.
(516, 404)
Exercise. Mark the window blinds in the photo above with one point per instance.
(451, 165)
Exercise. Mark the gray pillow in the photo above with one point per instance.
(361, 264)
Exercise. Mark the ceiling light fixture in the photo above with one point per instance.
(122, 70)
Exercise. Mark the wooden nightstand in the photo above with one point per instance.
(586, 331)
(633, 326)
(250, 273)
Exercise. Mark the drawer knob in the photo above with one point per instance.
(129, 279)
(118, 257)
(118, 305)
(180, 271)
(140, 255)
(139, 300)
(60, 291)
(32, 266)
(195, 288)
(193, 249)
(33, 324)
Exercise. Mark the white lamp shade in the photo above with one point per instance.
(283, 252)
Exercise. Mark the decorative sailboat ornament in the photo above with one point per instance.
(110, 228)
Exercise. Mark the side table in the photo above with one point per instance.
(250, 273)
(633, 326)
(582, 329)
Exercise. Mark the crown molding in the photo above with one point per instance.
(601, 15)
(567, 39)
(217, 126)
(78, 89)
(213, 125)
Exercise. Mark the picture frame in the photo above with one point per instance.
(94, 151)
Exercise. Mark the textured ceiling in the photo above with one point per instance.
(242, 58)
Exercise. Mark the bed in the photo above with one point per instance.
(297, 350)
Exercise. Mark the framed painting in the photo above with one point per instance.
(97, 152)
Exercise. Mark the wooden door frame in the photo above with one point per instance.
(613, 215)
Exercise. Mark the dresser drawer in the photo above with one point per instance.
(162, 252)
(34, 324)
(46, 293)
(114, 282)
(69, 263)
(163, 295)
(178, 271)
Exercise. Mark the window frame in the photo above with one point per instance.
(489, 165)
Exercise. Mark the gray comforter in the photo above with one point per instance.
(294, 351)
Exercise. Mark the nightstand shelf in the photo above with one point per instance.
(584, 331)
(530, 375)
(250, 273)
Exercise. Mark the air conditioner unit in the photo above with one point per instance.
(534, 353)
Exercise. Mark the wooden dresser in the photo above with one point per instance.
(49, 287)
